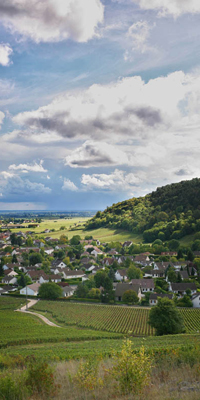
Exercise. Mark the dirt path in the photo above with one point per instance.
(32, 303)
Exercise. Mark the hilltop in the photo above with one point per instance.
(170, 212)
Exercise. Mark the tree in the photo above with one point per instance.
(99, 278)
(190, 255)
(81, 291)
(49, 291)
(75, 240)
(35, 258)
(130, 296)
(134, 273)
(111, 274)
(179, 279)
(94, 293)
(14, 259)
(171, 275)
(165, 318)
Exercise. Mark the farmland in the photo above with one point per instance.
(117, 319)
(23, 335)
(75, 226)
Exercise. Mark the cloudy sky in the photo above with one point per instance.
(99, 100)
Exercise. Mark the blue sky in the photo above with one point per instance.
(99, 100)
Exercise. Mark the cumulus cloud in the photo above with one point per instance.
(2, 116)
(126, 107)
(117, 180)
(28, 167)
(12, 184)
(173, 7)
(138, 34)
(69, 185)
(52, 20)
(5, 53)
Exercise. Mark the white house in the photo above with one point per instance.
(121, 275)
(73, 274)
(31, 290)
(96, 252)
(196, 300)
(180, 288)
(58, 263)
(49, 250)
(9, 280)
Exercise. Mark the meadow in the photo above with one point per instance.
(76, 226)
(119, 319)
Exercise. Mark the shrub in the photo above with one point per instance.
(131, 370)
(40, 379)
(11, 389)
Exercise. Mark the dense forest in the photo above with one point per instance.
(171, 212)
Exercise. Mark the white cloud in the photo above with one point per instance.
(69, 185)
(5, 53)
(116, 181)
(2, 116)
(12, 184)
(139, 34)
(173, 7)
(28, 167)
(52, 20)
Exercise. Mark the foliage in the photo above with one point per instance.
(87, 375)
(75, 240)
(11, 389)
(35, 258)
(131, 370)
(94, 293)
(130, 297)
(49, 291)
(40, 379)
(134, 272)
(169, 213)
(165, 318)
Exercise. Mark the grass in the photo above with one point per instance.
(75, 226)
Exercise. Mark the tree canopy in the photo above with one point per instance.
(49, 291)
(165, 318)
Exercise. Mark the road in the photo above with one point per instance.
(32, 303)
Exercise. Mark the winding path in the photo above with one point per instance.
(32, 303)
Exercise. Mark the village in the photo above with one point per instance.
(88, 269)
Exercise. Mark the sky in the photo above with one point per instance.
(99, 100)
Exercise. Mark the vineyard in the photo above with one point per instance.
(117, 319)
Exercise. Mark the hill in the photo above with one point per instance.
(171, 212)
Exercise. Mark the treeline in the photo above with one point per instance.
(171, 212)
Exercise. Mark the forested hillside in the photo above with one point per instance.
(171, 212)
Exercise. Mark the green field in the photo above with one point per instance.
(75, 226)
(119, 319)
(23, 335)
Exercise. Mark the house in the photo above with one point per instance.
(146, 285)
(31, 290)
(142, 259)
(7, 289)
(108, 261)
(44, 278)
(9, 280)
(68, 291)
(73, 274)
(10, 272)
(96, 252)
(153, 299)
(35, 275)
(184, 274)
(123, 287)
(196, 300)
(169, 253)
(89, 267)
(180, 288)
(58, 263)
(121, 275)
(158, 273)
(49, 250)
